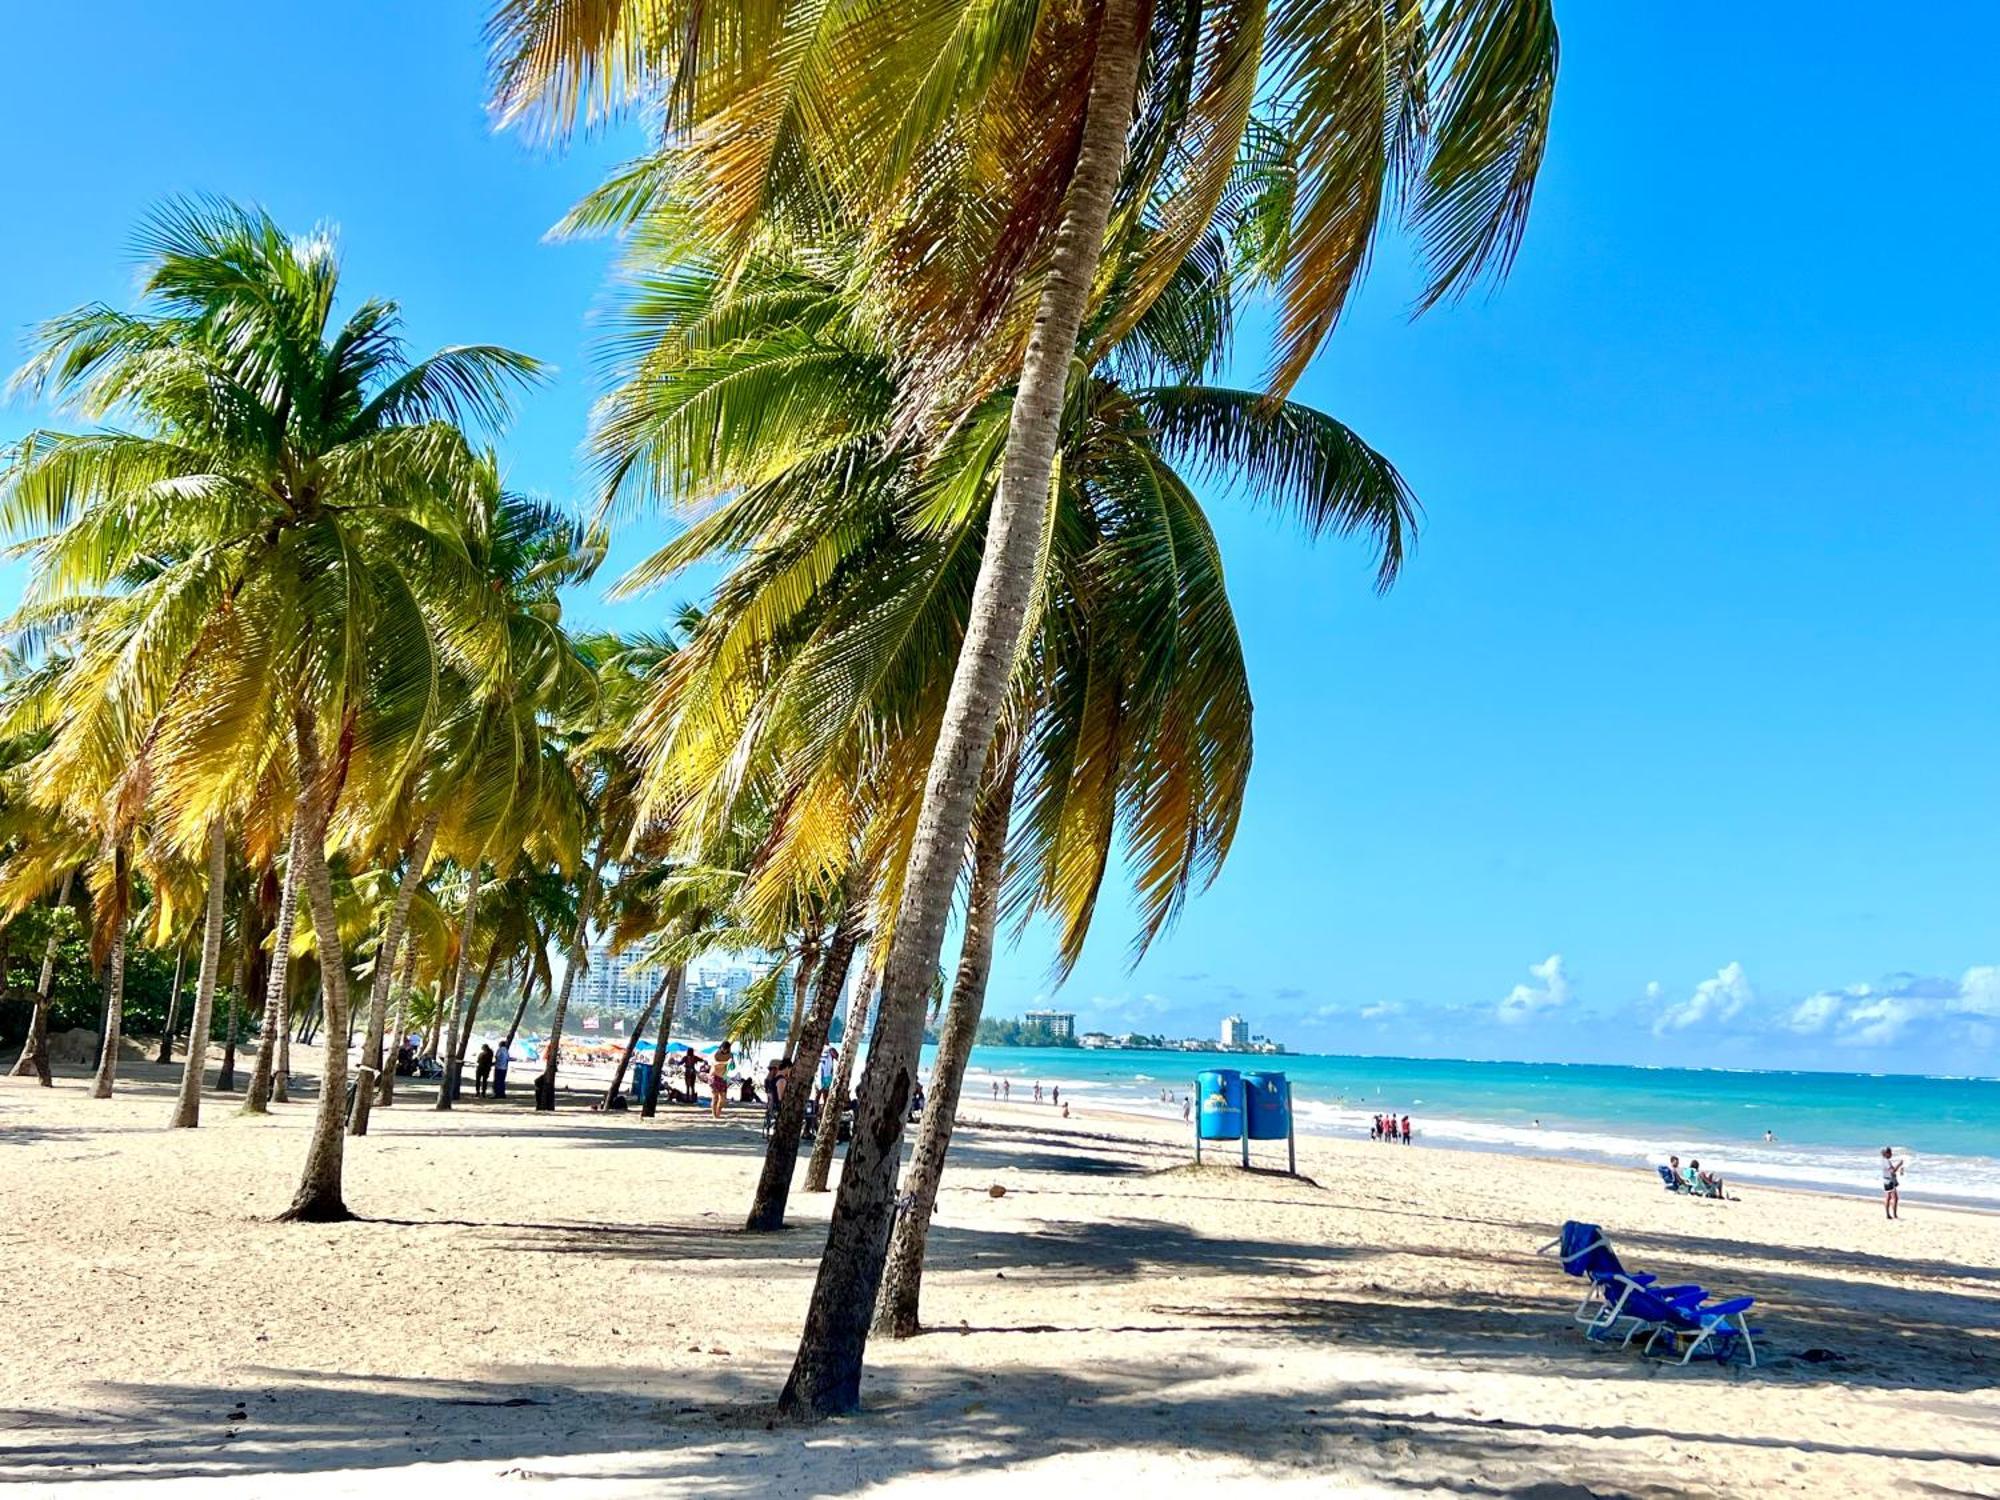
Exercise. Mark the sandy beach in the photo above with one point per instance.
(568, 1301)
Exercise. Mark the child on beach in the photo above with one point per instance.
(1892, 1182)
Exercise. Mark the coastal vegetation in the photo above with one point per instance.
(294, 711)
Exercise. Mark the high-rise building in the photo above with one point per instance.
(1235, 1031)
(616, 981)
(1060, 1023)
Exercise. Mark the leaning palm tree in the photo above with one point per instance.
(295, 490)
(1131, 705)
(771, 113)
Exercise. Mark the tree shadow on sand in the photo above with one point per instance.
(711, 1432)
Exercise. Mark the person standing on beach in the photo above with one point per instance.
(1892, 1182)
(718, 1080)
(1038, 1092)
(1406, 1130)
(1006, 1088)
(1055, 1094)
(500, 1061)
(996, 1088)
(481, 1069)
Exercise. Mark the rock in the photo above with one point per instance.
(77, 1045)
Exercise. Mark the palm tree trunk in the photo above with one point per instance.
(385, 1085)
(114, 1016)
(318, 1199)
(527, 991)
(34, 1056)
(173, 1005)
(281, 1076)
(472, 1005)
(809, 957)
(821, 1165)
(187, 1106)
(826, 1375)
(225, 1077)
(545, 1092)
(896, 1306)
(257, 1100)
(415, 861)
(114, 974)
(632, 1041)
(781, 1152)
(448, 1085)
(651, 1107)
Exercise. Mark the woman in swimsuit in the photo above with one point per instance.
(718, 1080)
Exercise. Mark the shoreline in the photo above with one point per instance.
(1844, 1164)
(1502, 1153)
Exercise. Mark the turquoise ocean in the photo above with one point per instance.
(1829, 1128)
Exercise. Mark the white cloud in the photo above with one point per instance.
(1526, 1000)
(1880, 1020)
(1979, 990)
(1816, 1012)
(1381, 1010)
(1713, 1001)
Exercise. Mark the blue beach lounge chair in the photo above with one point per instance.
(1587, 1254)
(1648, 1309)
(1672, 1183)
(1715, 1331)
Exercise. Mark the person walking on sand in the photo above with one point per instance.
(1406, 1130)
(481, 1068)
(718, 1080)
(1006, 1088)
(996, 1088)
(500, 1061)
(1187, 1109)
(1055, 1094)
(1038, 1091)
(1892, 1182)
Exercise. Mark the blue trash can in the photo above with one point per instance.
(1268, 1105)
(1219, 1104)
(642, 1080)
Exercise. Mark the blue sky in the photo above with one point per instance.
(1677, 740)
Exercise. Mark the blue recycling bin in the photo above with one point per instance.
(1268, 1106)
(1219, 1104)
(642, 1080)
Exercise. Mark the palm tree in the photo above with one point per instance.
(1134, 700)
(297, 489)
(769, 113)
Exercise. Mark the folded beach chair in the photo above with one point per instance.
(1672, 1183)
(1715, 1331)
(1587, 1254)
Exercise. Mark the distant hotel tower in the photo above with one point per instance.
(1060, 1023)
(1235, 1031)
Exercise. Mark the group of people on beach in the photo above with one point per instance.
(1389, 1128)
(1003, 1089)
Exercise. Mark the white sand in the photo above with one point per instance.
(1110, 1326)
